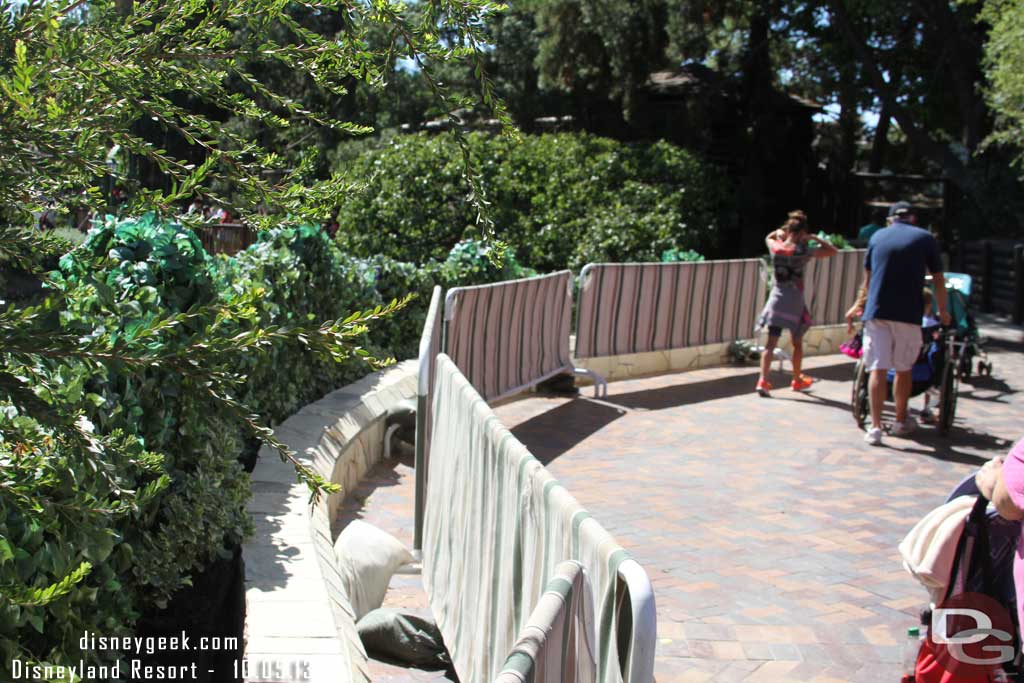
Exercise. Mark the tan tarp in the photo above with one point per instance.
(830, 286)
(496, 526)
(627, 308)
(557, 643)
(508, 336)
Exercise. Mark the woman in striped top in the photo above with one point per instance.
(791, 247)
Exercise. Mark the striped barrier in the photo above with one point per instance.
(831, 285)
(430, 346)
(496, 526)
(627, 308)
(509, 336)
(557, 643)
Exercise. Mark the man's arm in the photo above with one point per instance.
(857, 309)
(940, 296)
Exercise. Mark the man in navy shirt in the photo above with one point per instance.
(891, 303)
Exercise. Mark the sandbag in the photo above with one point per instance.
(404, 638)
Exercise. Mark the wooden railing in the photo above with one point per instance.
(997, 270)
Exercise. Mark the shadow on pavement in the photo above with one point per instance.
(556, 431)
(930, 442)
(725, 387)
(987, 383)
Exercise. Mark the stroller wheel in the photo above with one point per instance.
(947, 399)
(964, 367)
(859, 396)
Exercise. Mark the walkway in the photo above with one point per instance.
(769, 530)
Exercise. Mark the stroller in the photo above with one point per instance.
(983, 563)
(967, 338)
(941, 363)
(931, 371)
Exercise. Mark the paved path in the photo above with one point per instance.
(768, 528)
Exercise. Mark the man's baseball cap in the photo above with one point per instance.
(900, 209)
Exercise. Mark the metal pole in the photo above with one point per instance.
(421, 473)
(986, 276)
(1018, 272)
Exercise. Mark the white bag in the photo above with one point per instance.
(368, 557)
(929, 550)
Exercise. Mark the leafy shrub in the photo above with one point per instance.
(837, 240)
(293, 277)
(161, 493)
(561, 199)
(79, 542)
(680, 255)
(130, 274)
(170, 495)
(25, 254)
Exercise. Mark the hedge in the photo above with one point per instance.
(561, 200)
(171, 496)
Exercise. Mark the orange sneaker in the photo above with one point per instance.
(801, 383)
(763, 388)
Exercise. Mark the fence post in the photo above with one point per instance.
(960, 257)
(986, 276)
(1018, 273)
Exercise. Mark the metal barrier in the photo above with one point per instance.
(831, 285)
(430, 346)
(557, 643)
(509, 336)
(496, 525)
(627, 308)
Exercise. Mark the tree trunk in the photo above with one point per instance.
(964, 49)
(754, 197)
(880, 141)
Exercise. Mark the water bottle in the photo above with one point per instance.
(910, 649)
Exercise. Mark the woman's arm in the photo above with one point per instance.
(857, 309)
(825, 248)
(773, 236)
(990, 482)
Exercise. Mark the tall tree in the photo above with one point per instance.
(1004, 66)
(930, 138)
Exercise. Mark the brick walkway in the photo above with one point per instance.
(768, 528)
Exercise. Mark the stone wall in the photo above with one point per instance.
(818, 341)
(299, 624)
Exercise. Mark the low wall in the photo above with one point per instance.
(299, 624)
(818, 341)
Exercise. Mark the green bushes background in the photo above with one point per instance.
(562, 200)
(171, 496)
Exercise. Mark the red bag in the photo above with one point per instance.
(929, 669)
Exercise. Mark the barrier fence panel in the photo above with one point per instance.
(830, 285)
(226, 238)
(627, 308)
(509, 336)
(557, 643)
(430, 346)
(496, 525)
